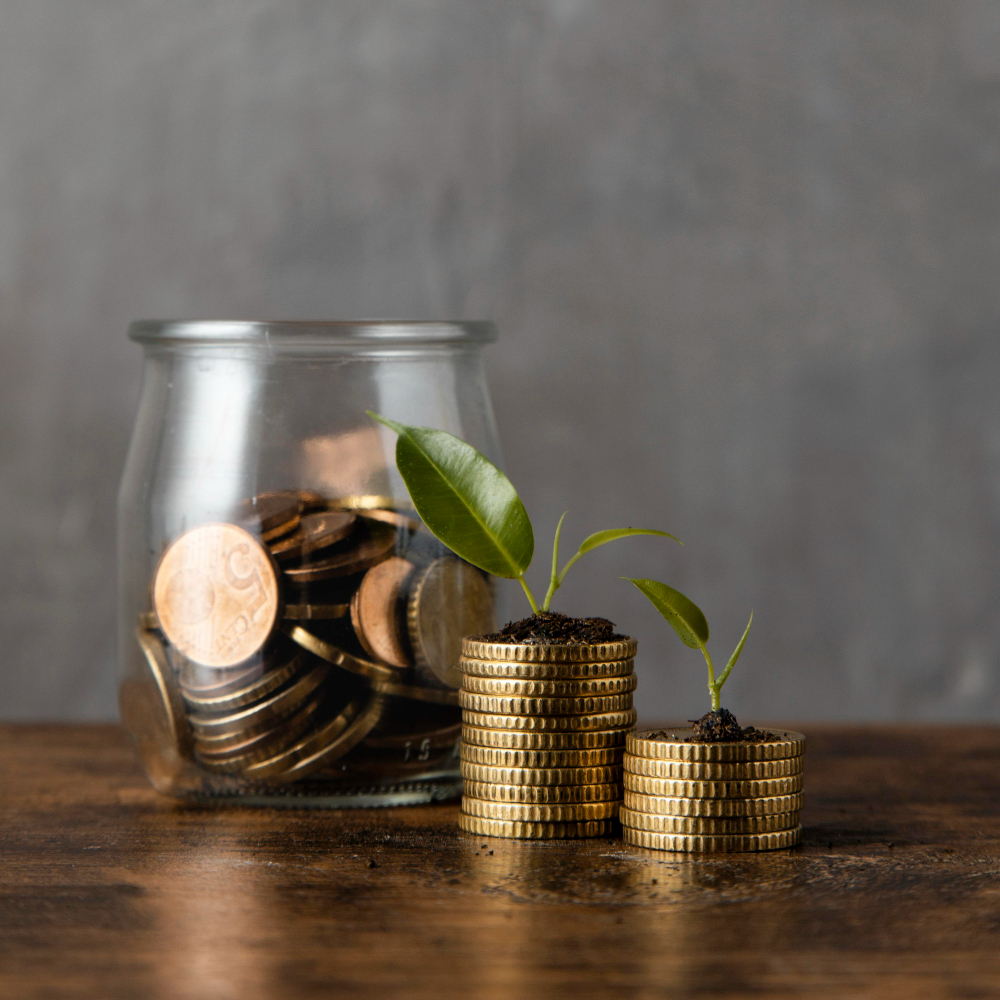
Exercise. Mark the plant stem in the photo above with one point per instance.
(531, 596)
(713, 687)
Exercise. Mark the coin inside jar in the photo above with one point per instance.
(374, 545)
(215, 594)
(449, 600)
(376, 612)
(314, 532)
(270, 514)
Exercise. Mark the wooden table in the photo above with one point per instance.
(110, 891)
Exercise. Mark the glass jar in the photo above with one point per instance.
(289, 631)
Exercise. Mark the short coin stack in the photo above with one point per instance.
(543, 736)
(712, 797)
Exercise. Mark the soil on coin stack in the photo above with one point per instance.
(721, 726)
(549, 628)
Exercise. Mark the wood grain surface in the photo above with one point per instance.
(109, 890)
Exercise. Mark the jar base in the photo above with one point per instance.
(408, 793)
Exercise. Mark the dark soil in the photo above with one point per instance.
(549, 628)
(721, 727)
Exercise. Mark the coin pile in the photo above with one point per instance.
(712, 797)
(543, 735)
(307, 636)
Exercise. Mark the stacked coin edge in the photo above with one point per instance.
(687, 796)
(543, 737)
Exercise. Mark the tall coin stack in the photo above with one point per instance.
(712, 798)
(543, 736)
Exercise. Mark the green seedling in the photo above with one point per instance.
(471, 506)
(690, 624)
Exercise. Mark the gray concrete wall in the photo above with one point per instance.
(743, 256)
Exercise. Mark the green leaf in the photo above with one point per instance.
(464, 499)
(684, 616)
(599, 538)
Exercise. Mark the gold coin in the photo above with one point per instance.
(551, 723)
(265, 713)
(256, 690)
(153, 712)
(542, 793)
(376, 611)
(315, 532)
(416, 743)
(259, 747)
(437, 696)
(216, 595)
(500, 757)
(514, 740)
(586, 705)
(315, 612)
(507, 687)
(392, 517)
(207, 682)
(561, 672)
(448, 600)
(281, 530)
(670, 744)
(375, 545)
(541, 775)
(708, 825)
(722, 808)
(699, 771)
(268, 512)
(369, 503)
(228, 744)
(696, 844)
(538, 812)
(326, 651)
(523, 652)
(533, 831)
(677, 788)
(322, 746)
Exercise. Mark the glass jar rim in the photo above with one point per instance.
(314, 333)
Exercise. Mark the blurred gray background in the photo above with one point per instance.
(743, 257)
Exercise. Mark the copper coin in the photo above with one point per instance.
(449, 600)
(269, 511)
(315, 532)
(375, 611)
(376, 545)
(216, 595)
